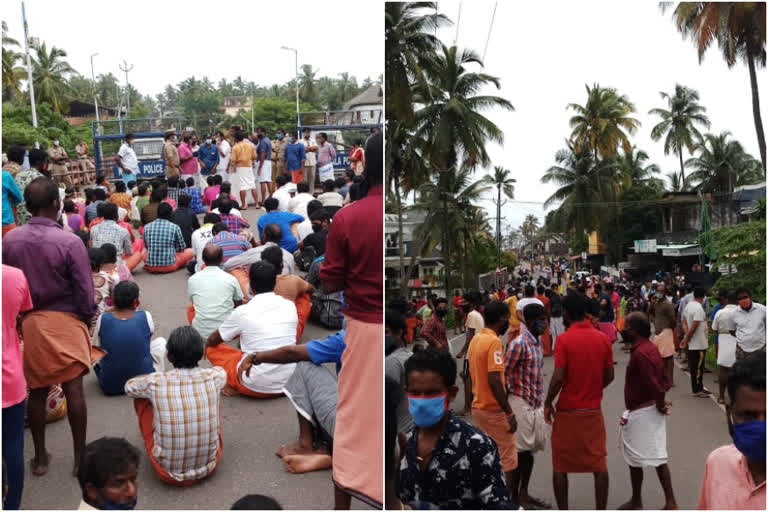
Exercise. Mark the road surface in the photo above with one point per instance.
(252, 430)
(695, 427)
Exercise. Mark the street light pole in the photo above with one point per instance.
(95, 96)
(125, 68)
(29, 72)
(296, 64)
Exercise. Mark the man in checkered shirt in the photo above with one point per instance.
(110, 232)
(234, 223)
(165, 243)
(178, 411)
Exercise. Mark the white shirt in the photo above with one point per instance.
(331, 199)
(266, 322)
(695, 312)
(225, 148)
(723, 322)
(128, 156)
(201, 237)
(750, 327)
(475, 321)
(233, 211)
(298, 203)
(283, 196)
(311, 159)
(135, 214)
(528, 300)
(251, 256)
(304, 229)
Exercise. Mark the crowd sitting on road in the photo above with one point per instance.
(482, 456)
(68, 284)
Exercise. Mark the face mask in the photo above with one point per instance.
(289, 140)
(428, 411)
(111, 505)
(441, 313)
(749, 438)
(317, 228)
(55, 143)
(208, 141)
(745, 304)
(279, 136)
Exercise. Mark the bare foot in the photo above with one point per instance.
(39, 468)
(670, 506)
(307, 463)
(630, 505)
(300, 449)
(228, 390)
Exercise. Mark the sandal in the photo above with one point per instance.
(535, 504)
(721, 401)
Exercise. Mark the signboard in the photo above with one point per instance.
(687, 251)
(147, 169)
(645, 246)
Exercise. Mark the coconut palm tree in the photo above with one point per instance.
(530, 228)
(307, 83)
(720, 164)
(675, 183)
(502, 180)
(446, 200)
(603, 123)
(410, 45)
(678, 122)
(451, 113)
(12, 74)
(49, 74)
(635, 171)
(739, 29)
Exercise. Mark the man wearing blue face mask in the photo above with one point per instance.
(107, 475)
(734, 475)
(447, 462)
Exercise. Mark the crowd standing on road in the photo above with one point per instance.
(444, 461)
(69, 257)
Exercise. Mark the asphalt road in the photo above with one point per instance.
(252, 431)
(695, 427)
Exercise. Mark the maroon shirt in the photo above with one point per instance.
(55, 264)
(645, 380)
(353, 257)
(434, 332)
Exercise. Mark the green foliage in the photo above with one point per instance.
(17, 128)
(742, 247)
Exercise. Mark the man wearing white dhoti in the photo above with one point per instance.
(643, 433)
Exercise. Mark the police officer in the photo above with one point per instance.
(278, 154)
(171, 155)
(59, 164)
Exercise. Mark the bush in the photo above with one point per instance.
(742, 247)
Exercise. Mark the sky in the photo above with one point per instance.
(167, 42)
(545, 53)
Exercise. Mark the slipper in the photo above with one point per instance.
(536, 504)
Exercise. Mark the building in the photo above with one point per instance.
(367, 106)
(426, 274)
(81, 112)
(234, 104)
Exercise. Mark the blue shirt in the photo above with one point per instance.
(11, 196)
(328, 350)
(127, 345)
(294, 154)
(210, 157)
(196, 200)
(284, 220)
(265, 146)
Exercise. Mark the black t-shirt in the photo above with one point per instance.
(556, 305)
(187, 222)
(316, 240)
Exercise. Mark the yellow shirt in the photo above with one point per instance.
(512, 305)
(485, 355)
(243, 154)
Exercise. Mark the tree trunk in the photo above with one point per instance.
(756, 108)
(682, 171)
(401, 248)
(498, 226)
(446, 253)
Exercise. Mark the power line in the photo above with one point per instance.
(490, 28)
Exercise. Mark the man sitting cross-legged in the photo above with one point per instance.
(266, 322)
(178, 412)
(312, 389)
(291, 287)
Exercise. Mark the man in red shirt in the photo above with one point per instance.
(353, 263)
(643, 434)
(458, 312)
(583, 367)
(546, 339)
(434, 330)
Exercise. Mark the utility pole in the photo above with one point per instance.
(95, 96)
(126, 68)
(29, 72)
(296, 68)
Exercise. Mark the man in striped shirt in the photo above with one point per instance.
(231, 244)
(525, 387)
(179, 414)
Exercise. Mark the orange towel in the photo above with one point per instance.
(190, 313)
(303, 309)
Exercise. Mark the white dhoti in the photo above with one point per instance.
(726, 350)
(643, 439)
(265, 174)
(556, 328)
(532, 431)
(244, 179)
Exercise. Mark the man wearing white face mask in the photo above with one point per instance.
(59, 169)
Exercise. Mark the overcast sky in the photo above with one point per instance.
(220, 39)
(544, 53)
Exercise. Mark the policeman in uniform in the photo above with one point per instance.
(278, 154)
(59, 164)
(171, 155)
(84, 163)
